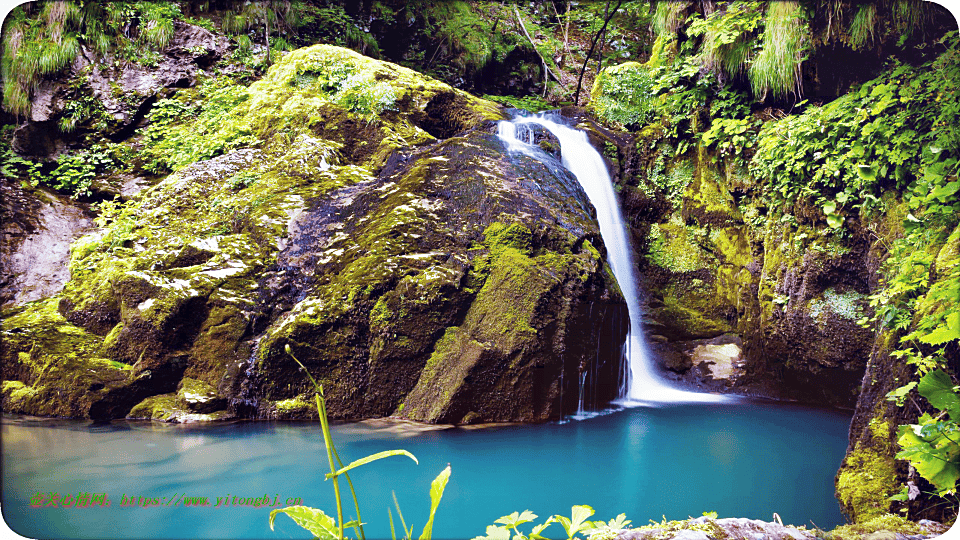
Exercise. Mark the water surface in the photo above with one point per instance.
(744, 459)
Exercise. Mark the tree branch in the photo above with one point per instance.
(546, 67)
(576, 96)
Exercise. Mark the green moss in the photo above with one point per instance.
(380, 315)
(16, 395)
(674, 247)
(868, 476)
(502, 320)
(499, 235)
(693, 312)
(296, 407)
(885, 522)
(161, 407)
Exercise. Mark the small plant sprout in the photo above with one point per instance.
(325, 527)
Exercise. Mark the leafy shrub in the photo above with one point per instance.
(624, 94)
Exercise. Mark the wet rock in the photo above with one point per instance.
(670, 358)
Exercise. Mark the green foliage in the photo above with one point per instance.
(42, 38)
(576, 524)
(785, 45)
(74, 171)
(531, 103)
(732, 137)
(933, 444)
(624, 95)
(326, 527)
(728, 37)
(892, 131)
(182, 132)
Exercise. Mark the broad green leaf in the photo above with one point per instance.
(834, 221)
(495, 532)
(935, 466)
(940, 391)
(867, 172)
(516, 519)
(372, 457)
(948, 331)
(573, 525)
(944, 192)
(312, 519)
(436, 492)
(829, 207)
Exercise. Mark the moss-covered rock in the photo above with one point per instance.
(867, 478)
(397, 266)
(355, 211)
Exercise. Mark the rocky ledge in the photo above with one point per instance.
(706, 528)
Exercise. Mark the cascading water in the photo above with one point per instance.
(643, 385)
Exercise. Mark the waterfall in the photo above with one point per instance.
(643, 385)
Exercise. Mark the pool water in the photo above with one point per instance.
(741, 459)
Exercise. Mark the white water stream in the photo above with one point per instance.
(643, 385)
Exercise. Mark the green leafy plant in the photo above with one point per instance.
(576, 524)
(326, 527)
(932, 445)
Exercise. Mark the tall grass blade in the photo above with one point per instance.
(370, 458)
(393, 533)
(408, 532)
(353, 493)
(436, 492)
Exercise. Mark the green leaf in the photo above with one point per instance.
(537, 529)
(829, 207)
(948, 331)
(900, 394)
(834, 221)
(312, 519)
(372, 457)
(938, 388)
(944, 192)
(867, 172)
(574, 524)
(495, 532)
(516, 519)
(436, 492)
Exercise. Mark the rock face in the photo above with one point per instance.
(119, 93)
(790, 293)
(35, 246)
(405, 259)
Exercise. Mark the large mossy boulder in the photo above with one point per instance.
(360, 214)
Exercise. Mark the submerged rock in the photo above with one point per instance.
(411, 265)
